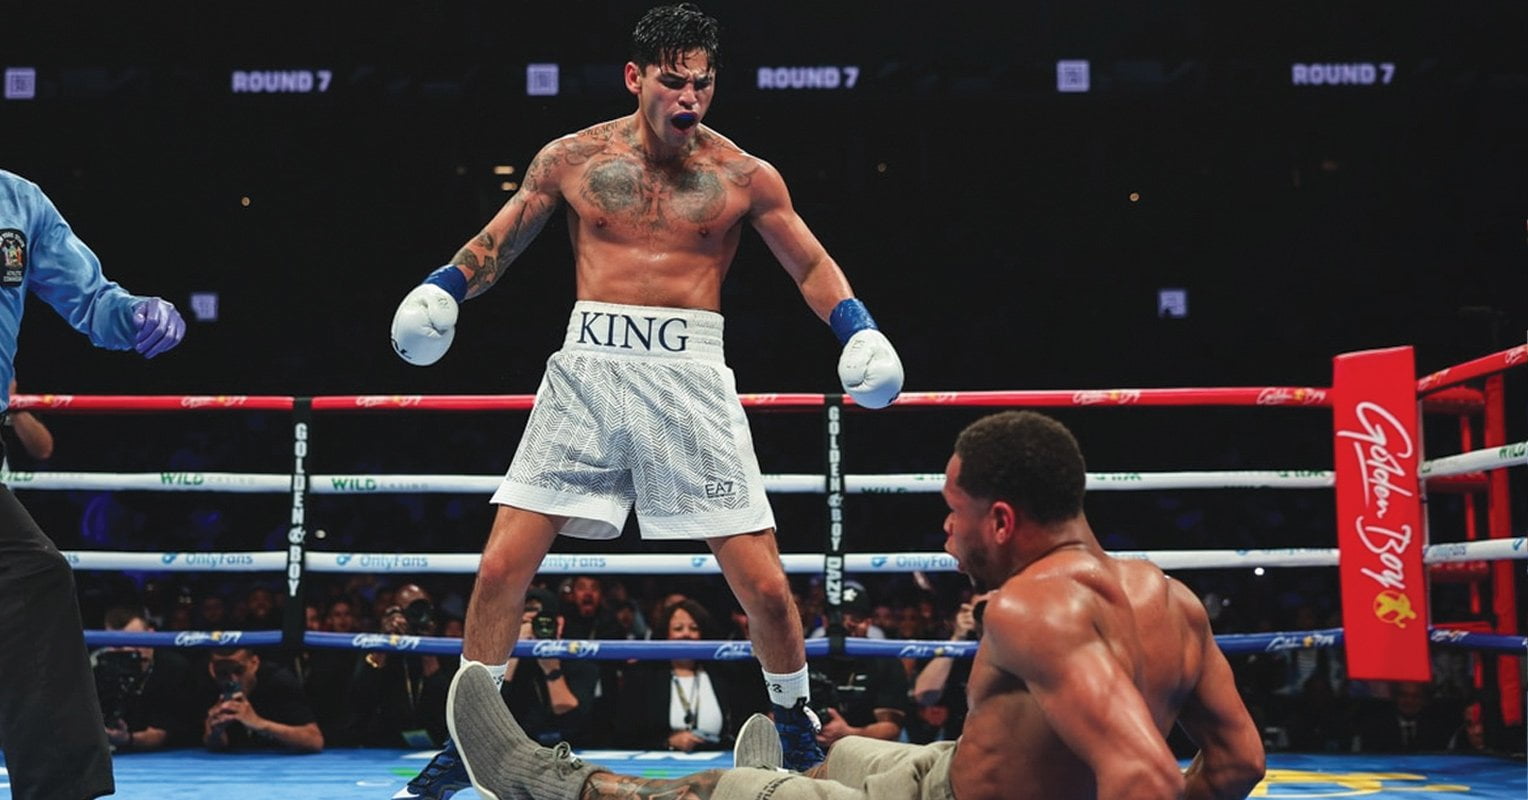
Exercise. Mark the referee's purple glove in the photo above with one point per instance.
(159, 327)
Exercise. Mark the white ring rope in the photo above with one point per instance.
(679, 564)
(916, 483)
(923, 483)
(235, 482)
(1509, 455)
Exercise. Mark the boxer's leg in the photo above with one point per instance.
(501, 759)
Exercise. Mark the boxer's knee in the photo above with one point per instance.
(500, 568)
(770, 597)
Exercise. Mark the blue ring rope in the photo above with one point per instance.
(721, 650)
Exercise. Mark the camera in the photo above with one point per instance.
(544, 626)
(119, 679)
(824, 694)
(421, 617)
(418, 618)
(226, 672)
(978, 611)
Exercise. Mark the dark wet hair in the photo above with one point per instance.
(667, 32)
(1025, 459)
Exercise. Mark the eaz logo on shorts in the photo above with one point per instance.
(633, 333)
(13, 257)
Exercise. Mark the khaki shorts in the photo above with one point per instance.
(639, 409)
(857, 767)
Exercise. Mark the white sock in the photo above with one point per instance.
(495, 671)
(786, 688)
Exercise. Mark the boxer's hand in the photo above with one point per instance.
(159, 327)
(424, 325)
(870, 370)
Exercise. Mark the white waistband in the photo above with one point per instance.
(644, 331)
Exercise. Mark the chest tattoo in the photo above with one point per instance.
(654, 198)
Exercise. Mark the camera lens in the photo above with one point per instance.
(420, 615)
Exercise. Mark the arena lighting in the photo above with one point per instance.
(204, 306)
(1073, 76)
(1172, 303)
(504, 169)
(20, 83)
(541, 80)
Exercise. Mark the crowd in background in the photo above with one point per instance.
(326, 698)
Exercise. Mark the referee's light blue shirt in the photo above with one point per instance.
(40, 253)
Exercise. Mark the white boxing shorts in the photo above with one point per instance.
(639, 408)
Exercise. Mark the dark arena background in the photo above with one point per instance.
(1068, 195)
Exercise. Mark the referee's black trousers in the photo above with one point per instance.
(50, 719)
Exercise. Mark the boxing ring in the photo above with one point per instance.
(1486, 559)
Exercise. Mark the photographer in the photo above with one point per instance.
(940, 689)
(552, 698)
(399, 699)
(858, 696)
(257, 705)
(143, 693)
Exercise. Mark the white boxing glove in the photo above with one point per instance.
(870, 370)
(424, 325)
(869, 367)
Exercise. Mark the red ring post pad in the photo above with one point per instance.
(1379, 515)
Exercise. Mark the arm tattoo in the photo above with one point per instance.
(530, 211)
(740, 171)
(540, 167)
(603, 785)
(466, 258)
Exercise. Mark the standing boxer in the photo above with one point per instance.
(639, 406)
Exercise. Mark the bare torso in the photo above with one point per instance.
(655, 233)
(1008, 749)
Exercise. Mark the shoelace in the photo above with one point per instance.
(564, 760)
(799, 737)
(442, 763)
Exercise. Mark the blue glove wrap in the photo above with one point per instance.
(452, 280)
(848, 318)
